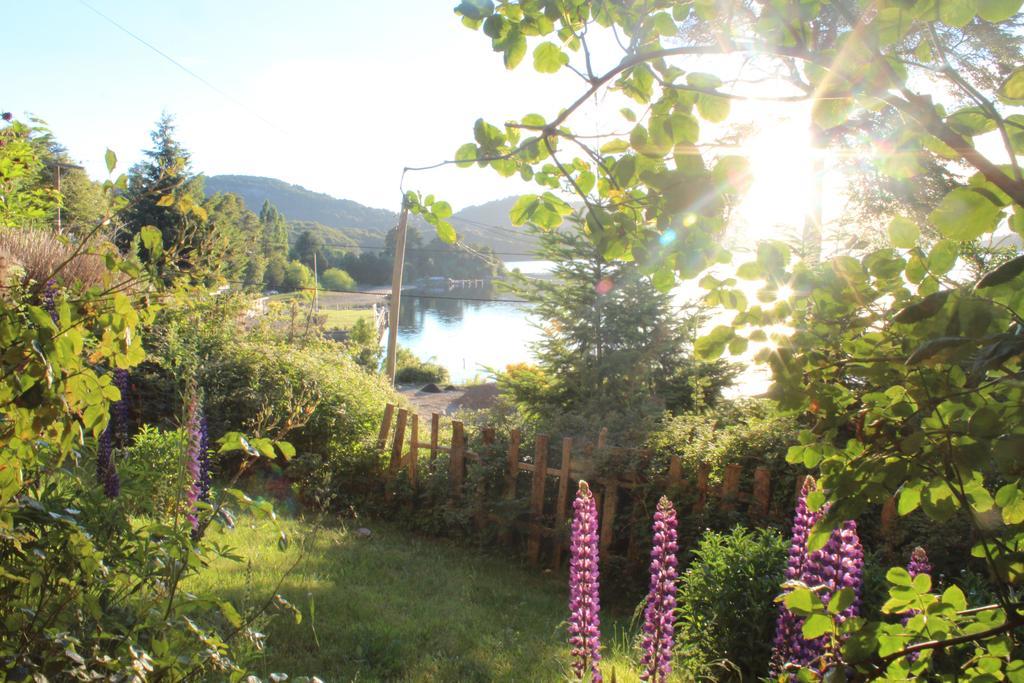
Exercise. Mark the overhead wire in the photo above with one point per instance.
(231, 98)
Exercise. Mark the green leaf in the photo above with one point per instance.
(713, 108)
(616, 146)
(801, 601)
(898, 576)
(936, 349)
(111, 160)
(520, 212)
(442, 209)
(965, 214)
(446, 232)
(903, 233)
(816, 626)
(971, 121)
(997, 10)
(230, 614)
(923, 309)
(514, 51)
(712, 345)
(465, 155)
(943, 256)
(1002, 274)
(1012, 89)
(955, 598)
(152, 240)
(831, 111)
(287, 450)
(549, 58)
(841, 600)
(475, 9)
(909, 500)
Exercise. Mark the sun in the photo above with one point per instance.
(781, 193)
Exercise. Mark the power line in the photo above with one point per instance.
(429, 251)
(238, 103)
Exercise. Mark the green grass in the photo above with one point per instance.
(340, 319)
(398, 607)
(345, 319)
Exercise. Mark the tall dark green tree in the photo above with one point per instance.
(310, 250)
(612, 344)
(165, 193)
(275, 231)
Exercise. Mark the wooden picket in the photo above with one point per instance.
(404, 454)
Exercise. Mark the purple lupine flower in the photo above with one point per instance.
(193, 455)
(112, 482)
(659, 617)
(204, 460)
(839, 564)
(120, 414)
(790, 645)
(106, 475)
(584, 601)
(50, 299)
(919, 563)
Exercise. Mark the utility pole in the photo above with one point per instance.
(57, 167)
(316, 286)
(396, 291)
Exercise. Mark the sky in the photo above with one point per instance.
(334, 95)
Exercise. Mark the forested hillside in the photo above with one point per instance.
(348, 223)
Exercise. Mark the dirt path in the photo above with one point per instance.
(475, 397)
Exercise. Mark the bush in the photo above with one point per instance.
(726, 604)
(151, 471)
(328, 407)
(337, 280)
(296, 276)
(411, 370)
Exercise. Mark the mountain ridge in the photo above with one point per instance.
(348, 222)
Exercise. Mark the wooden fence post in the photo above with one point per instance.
(563, 498)
(398, 443)
(675, 470)
(762, 494)
(513, 464)
(607, 523)
(414, 451)
(385, 426)
(481, 488)
(457, 467)
(540, 470)
(731, 485)
(435, 427)
(703, 470)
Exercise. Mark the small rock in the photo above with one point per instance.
(451, 388)
(431, 389)
(363, 532)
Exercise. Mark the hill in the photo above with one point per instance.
(345, 222)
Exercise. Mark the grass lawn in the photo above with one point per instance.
(340, 319)
(345, 319)
(398, 607)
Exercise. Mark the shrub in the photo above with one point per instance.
(727, 611)
(296, 276)
(151, 473)
(337, 280)
(411, 370)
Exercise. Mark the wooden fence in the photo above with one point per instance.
(576, 462)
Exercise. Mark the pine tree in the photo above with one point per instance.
(612, 344)
(163, 192)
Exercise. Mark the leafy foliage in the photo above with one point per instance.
(907, 368)
(726, 613)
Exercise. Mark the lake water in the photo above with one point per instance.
(467, 337)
